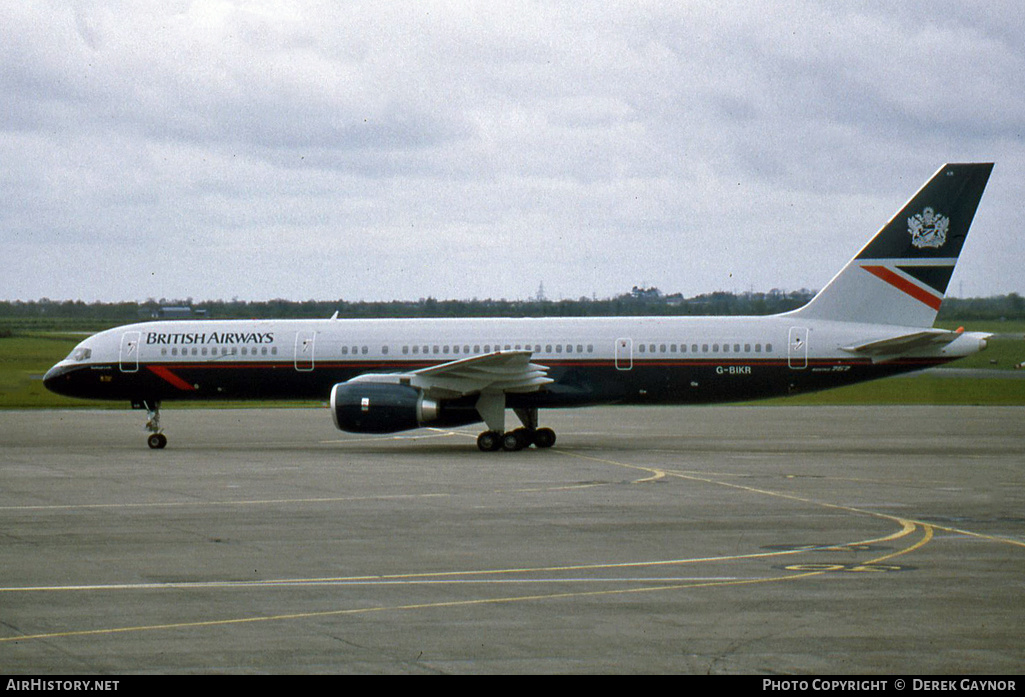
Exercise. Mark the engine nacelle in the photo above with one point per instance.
(374, 407)
(367, 407)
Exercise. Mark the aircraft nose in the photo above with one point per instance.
(56, 379)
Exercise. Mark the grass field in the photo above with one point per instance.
(23, 361)
(25, 358)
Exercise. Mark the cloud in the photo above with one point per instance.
(476, 149)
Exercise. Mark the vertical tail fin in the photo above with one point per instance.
(901, 276)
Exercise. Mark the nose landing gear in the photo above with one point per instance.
(156, 439)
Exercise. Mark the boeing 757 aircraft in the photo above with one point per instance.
(872, 320)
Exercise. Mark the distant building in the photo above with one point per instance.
(646, 293)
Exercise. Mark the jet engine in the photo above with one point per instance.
(371, 407)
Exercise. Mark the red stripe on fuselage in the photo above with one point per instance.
(162, 372)
(906, 286)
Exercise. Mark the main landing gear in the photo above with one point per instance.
(521, 438)
(492, 409)
(156, 439)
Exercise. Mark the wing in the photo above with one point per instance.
(499, 371)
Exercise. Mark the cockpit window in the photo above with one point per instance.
(81, 354)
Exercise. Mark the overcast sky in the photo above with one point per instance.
(380, 150)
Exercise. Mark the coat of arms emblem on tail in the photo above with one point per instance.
(928, 228)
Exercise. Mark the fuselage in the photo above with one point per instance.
(873, 319)
(630, 360)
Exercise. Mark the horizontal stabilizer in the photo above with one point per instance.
(908, 342)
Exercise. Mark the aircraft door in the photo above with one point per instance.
(624, 354)
(305, 343)
(129, 355)
(797, 348)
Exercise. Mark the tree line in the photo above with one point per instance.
(638, 302)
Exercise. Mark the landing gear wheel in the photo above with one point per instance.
(489, 441)
(544, 438)
(516, 440)
(155, 440)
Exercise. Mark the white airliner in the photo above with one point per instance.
(872, 320)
